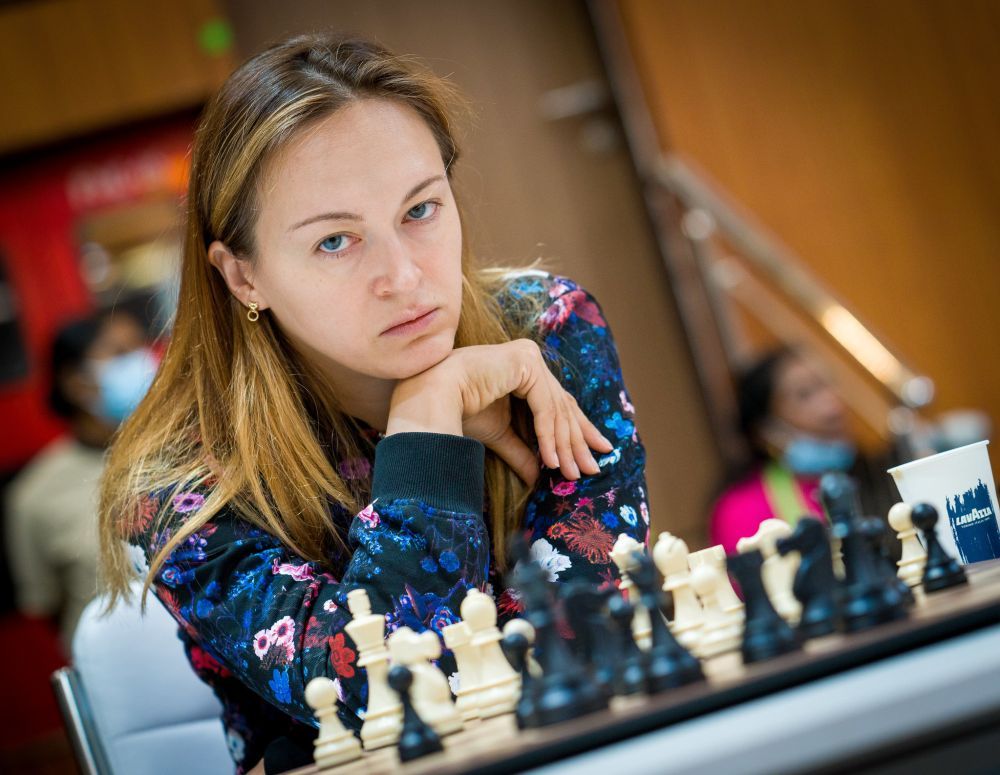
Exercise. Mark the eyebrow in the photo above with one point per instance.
(346, 216)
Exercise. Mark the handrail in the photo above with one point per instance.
(779, 265)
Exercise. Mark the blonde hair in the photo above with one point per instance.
(234, 408)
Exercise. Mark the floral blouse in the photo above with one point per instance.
(258, 622)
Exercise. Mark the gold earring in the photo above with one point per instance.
(253, 314)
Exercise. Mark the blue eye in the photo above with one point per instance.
(423, 211)
(335, 244)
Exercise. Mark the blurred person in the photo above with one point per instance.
(350, 401)
(100, 369)
(797, 428)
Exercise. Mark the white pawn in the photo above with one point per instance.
(778, 571)
(334, 745)
(458, 637)
(914, 557)
(670, 555)
(523, 626)
(430, 692)
(719, 632)
(500, 685)
(728, 601)
(383, 720)
(621, 554)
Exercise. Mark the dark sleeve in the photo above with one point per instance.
(573, 525)
(276, 621)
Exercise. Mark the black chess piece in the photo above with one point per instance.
(586, 609)
(630, 677)
(417, 737)
(667, 663)
(515, 646)
(765, 634)
(565, 690)
(896, 593)
(942, 570)
(864, 604)
(815, 585)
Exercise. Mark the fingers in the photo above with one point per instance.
(513, 451)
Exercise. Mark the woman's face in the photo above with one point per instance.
(806, 402)
(358, 232)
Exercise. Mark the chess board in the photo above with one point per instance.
(496, 746)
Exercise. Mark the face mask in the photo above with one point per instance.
(809, 455)
(123, 381)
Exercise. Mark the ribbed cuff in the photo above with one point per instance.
(440, 469)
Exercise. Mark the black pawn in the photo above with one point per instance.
(941, 571)
(896, 593)
(668, 663)
(417, 738)
(630, 677)
(765, 634)
(815, 585)
(515, 647)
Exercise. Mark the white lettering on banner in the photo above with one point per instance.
(976, 515)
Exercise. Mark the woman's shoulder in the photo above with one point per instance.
(547, 301)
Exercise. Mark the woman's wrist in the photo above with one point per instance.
(424, 406)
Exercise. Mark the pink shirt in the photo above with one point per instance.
(739, 511)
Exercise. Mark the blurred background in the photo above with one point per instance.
(725, 176)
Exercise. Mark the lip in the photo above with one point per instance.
(414, 322)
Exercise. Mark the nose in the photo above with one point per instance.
(397, 271)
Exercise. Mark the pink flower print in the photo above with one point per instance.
(354, 468)
(586, 503)
(298, 572)
(558, 289)
(329, 606)
(262, 641)
(369, 516)
(564, 488)
(283, 630)
(625, 402)
(187, 502)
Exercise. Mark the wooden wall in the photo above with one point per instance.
(865, 134)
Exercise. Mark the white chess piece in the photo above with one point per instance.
(719, 632)
(914, 556)
(670, 555)
(430, 692)
(725, 595)
(334, 745)
(500, 685)
(458, 638)
(778, 571)
(621, 555)
(383, 720)
(523, 626)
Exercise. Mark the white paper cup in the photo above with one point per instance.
(959, 484)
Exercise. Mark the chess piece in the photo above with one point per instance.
(564, 691)
(417, 738)
(499, 686)
(384, 716)
(897, 595)
(671, 557)
(515, 645)
(940, 570)
(765, 633)
(621, 555)
(430, 693)
(720, 632)
(521, 625)
(667, 663)
(865, 604)
(585, 606)
(816, 586)
(778, 571)
(911, 563)
(630, 676)
(458, 638)
(334, 744)
(726, 598)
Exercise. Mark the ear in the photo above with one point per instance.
(238, 274)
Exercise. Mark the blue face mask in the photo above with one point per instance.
(811, 456)
(123, 381)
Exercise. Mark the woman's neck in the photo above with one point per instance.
(368, 400)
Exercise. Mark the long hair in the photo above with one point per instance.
(234, 408)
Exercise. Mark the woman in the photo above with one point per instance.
(797, 428)
(335, 346)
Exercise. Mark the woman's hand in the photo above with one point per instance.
(471, 388)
